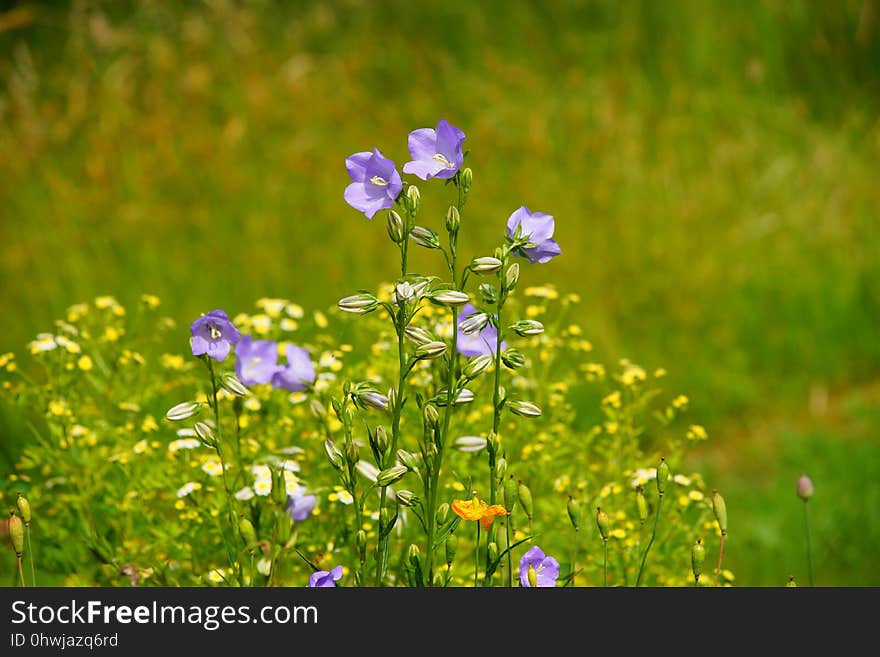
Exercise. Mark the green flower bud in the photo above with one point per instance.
(492, 552)
(511, 277)
(24, 509)
(231, 384)
(333, 453)
(430, 350)
(662, 476)
(603, 522)
(358, 304)
(453, 219)
(510, 494)
(415, 198)
(407, 498)
(525, 499)
(361, 542)
(698, 557)
(317, 408)
(449, 298)
(476, 366)
(418, 335)
(641, 504)
(183, 411)
(474, 324)
(352, 452)
(493, 441)
(413, 554)
(720, 510)
(488, 293)
(285, 526)
(396, 227)
(442, 514)
(527, 327)
(389, 475)
(425, 237)
(386, 520)
(279, 487)
(409, 459)
(574, 512)
(500, 468)
(467, 179)
(524, 409)
(248, 533)
(432, 416)
(16, 533)
(451, 548)
(382, 441)
(485, 265)
(513, 358)
(205, 434)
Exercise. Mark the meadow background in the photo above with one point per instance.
(713, 167)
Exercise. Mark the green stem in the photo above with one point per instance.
(809, 543)
(20, 572)
(509, 557)
(476, 555)
(720, 558)
(30, 547)
(605, 561)
(651, 542)
(230, 518)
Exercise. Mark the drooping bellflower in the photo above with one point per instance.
(537, 228)
(213, 334)
(376, 182)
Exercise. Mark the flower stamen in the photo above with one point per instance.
(379, 181)
(443, 160)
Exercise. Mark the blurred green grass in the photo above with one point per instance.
(712, 167)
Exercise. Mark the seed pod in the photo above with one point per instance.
(510, 493)
(389, 475)
(24, 509)
(492, 552)
(361, 542)
(603, 522)
(396, 227)
(285, 526)
(442, 514)
(641, 504)
(698, 557)
(525, 499)
(574, 512)
(183, 411)
(16, 533)
(248, 533)
(720, 510)
(453, 219)
(805, 488)
(451, 548)
(662, 476)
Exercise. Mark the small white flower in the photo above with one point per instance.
(188, 488)
(245, 494)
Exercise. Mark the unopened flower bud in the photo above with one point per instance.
(492, 552)
(603, 522)
(373, 399)
(248, 533)
(358, 304)
(488, 293)
(432, 415)
(525, 499)
(418, 335)
(450, 298)
(361, 542)
(513, 358)
(805, 488)
(413, 554)
(317, 408)
(389, 475)
(662, 476)
(451, 548)
(510, 493)
(494, 441)
(333, 453)
(396, 227)
(442, 514)
(24, 509)
(485, 265)
(511, 276)
(382, 441)
(231, 384)
(574, 512)
(183, 411)
(425, 237)
(476, 366)
(386, 520)
(500, 468)
(407, 498)
(415, 198)
(409, 459)
(527, 327)
(279, 487)
(720, 511)
(524, 408)
(430, 350)
(15, 528)
(698, 557)
(453, 219)
(467, 179)
(352, 452)
(474, 324)
(641, 504)
(205, 434)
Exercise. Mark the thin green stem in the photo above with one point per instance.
(476, 555)
(509, 557)
(651, 542)
(720, 558)
(20, 572)
(30, 549)
(605, 561)
(809, 543)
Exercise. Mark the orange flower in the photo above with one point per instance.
(477, 509)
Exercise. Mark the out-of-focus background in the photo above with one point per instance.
(713, 167)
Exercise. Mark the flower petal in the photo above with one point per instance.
(356, 165)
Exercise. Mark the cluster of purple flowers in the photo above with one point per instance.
(215, 335)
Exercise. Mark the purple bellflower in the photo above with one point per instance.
(299, 372)
(477, 344)
(300, 506)
(537, 228)
(435, 153)
(213, 334)
(257, 360)
(324, 578)
(376, 182)
(545, 570)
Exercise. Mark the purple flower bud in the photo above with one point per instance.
(805, 488)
